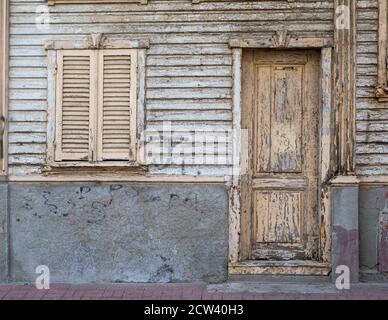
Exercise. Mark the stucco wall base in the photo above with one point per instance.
(3, 232)
(154, 233)
(345, 231)
(119, 233)
(372, 201)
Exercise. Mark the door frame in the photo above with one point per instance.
(238, 263)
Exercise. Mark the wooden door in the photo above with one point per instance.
(280, 192)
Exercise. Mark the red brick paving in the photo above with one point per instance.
(194, 291)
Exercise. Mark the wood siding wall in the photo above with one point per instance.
(189, 65)
(372, 116)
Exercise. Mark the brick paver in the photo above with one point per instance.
(196, 291)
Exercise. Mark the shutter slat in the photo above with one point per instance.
(116, 109)
(74, 110)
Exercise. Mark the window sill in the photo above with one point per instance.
(54, 2)
(77, 168)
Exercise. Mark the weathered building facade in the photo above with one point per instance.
(149, 141)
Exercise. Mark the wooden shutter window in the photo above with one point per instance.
(73, 112)
(96, 105)
(117, 97)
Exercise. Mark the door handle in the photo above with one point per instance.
(2, 131)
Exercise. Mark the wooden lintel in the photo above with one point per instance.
(108, 44)
(270, 43)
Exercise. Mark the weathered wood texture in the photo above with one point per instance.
(284, 122)
(344, 84)
(189, 63)
(95, 106)
(372, 116)
(4, 24)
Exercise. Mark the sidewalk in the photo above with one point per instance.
(196, 291)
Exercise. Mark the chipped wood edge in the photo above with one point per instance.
(93, 108)
(326, 164)
(245, 229)
(140, 111)
(283, 268)
(4, 46)
(307, 271)
(345, 42)
(382, 77)
(51, 104)
(234, 193)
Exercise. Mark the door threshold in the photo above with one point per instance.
(288, 267)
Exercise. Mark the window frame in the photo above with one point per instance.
(4, 44)
(53, 47)
(382, 68)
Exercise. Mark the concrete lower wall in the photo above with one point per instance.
(151, 233)
(3, 232)
(371, 202)
(119, 233)
(345, 230)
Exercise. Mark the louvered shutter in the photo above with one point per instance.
(74, 117)
(117, 104)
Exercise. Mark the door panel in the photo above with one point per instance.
(279, 127)
(278, 216)
(281, 113)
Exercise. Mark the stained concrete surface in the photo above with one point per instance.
(3, 232)
(144, 233)
(372, 201)
(119, 233)
(345, 228)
